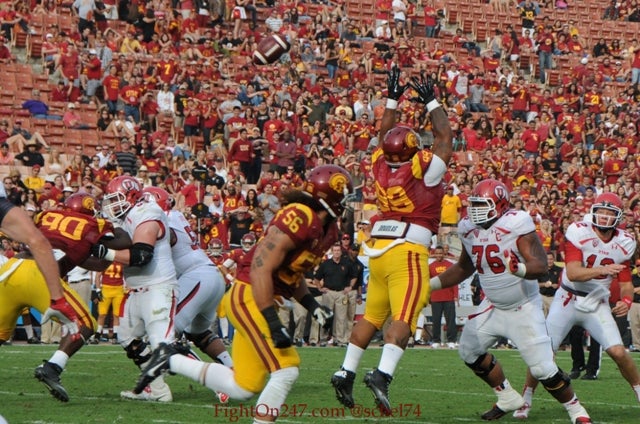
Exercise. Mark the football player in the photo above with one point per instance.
(71, 232)
(150, 276)
(110, 290)
(597, 250)
(502, 246)
(409, 192)
(264, 359)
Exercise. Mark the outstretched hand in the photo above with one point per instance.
(394, 88)
(424, 87)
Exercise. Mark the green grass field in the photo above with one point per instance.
(431, 386)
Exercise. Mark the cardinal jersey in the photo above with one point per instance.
(402, 193)
(487, 248)
(161, 269)
(305, 229)
(112, 276)
(584, 245)
(73, 233)
(186, 253)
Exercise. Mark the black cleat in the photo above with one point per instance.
(575, 374)
(157, 365)
(589, 376)
(342, 382)
(49, 374)
(494, 413)
(378, 382)
(34, 340)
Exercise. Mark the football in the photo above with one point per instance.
(270, 49)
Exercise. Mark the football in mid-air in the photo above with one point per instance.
(270, 49)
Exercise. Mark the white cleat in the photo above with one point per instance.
(452, 345)
(158, 395)
(435, 346)
(522, 413)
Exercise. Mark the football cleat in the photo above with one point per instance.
(583, 420)
(223, 398)
(34, 340)
(149, 394)
(378, 382)
(342, 382)
(494, 413)
(522, 413)
(157, 365)
(49, 374)
(589, 376)
(435, 345)
(452, 345)
(575, 373)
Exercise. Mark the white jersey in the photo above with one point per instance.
(160, 270)
(596, 252)
(487, 248)
(186, 252)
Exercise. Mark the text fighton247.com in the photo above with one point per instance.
(296, 410)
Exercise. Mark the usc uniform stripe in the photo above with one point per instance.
(414, 288)
(83, 313)
(253, 331)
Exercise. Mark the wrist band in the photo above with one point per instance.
(433, 104)
(392, 104)
(229, 277)
(522, 270)
(435, 283)
(627, 301)
(110, 256)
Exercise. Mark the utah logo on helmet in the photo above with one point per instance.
(489, 200)
(121, 194)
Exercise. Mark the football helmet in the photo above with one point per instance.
(83, 203)
(400, 144)
(489, 200)
(330, 185)
(247, 241)
(121, 194)
(160, 196)
(215, 247)
(610, 202)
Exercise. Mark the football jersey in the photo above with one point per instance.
(186, 252)
(487, 248)
(312, 240)
(402, 194)
(112, 276)
(584, 245)
(161, 269)
(72, 233)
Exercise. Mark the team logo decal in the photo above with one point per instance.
(411, 140)
(500, 192)
(88, 203)
(338, 182)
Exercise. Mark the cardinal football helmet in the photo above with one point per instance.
(215, 247)
(121, 194)
(488, 201)
(160, 196)
(247, 241)
(330, 185)
(400, 144)
(610, 202)
(83, 203)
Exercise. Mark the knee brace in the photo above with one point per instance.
(477, 365)
(201, 340)
(138, 351)
(556, 383)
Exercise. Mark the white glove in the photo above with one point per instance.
(323, 315)
(283, 303)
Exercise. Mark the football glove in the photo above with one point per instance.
(324, 316)
(279, 334)
(99, 295)
(101, 251)
(283, 303)
(395, 90)
(514, 265)
(61, 312)
(425, 89)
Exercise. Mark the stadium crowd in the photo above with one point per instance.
(180, 106)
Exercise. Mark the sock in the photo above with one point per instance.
(419, 327)
(99, 331)
(352, 357)
(636, 389)
(59, 358)
(505, 385)
(224, 327)
(115, 330)
(29, 330)
(391, 355)
(225, 358)
(216, 377)
(527, 395)
(575, 409)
